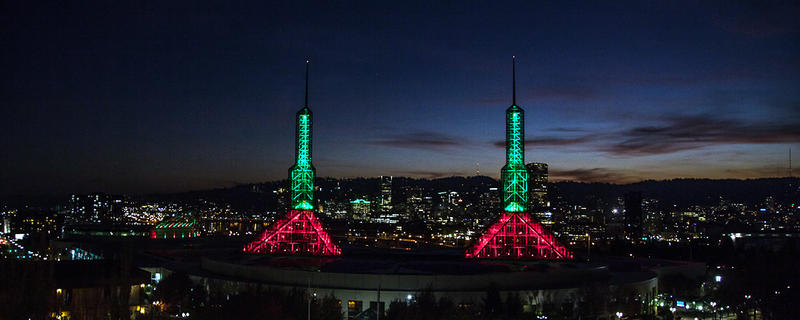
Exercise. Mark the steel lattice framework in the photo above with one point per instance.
(299, 233)
(514, 174)
(517, 236)
(303, 172)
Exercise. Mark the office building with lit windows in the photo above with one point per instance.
(537, 185)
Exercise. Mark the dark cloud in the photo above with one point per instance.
(550, 141)
(431, 174)
(677, 133)
(591, 175)
(418, 140)
(694, 132)
(566, 129)
(775, 170)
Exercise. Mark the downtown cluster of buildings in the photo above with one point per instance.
(446, 212)
(538, 240)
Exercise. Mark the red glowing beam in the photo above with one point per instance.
(517, 236)
(299, 233)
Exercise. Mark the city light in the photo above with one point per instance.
(149, 163)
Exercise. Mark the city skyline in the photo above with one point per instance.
(143, 103)
(161, 160)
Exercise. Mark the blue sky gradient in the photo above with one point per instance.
(172, 96)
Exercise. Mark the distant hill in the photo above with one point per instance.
(681, 192)
(684, 192)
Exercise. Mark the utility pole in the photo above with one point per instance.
(378, 307)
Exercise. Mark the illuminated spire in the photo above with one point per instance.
(303, 172)
(300, 233)
(513, 80)
(306, 104)
(514, 174)
(516, 235)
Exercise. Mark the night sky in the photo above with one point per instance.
(174, 96)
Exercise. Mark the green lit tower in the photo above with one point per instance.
(515, 234)
(514, 174)
(302, 172)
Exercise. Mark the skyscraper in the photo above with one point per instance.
(633, 215)
(537, 185)
(514, 174)
(386, 194)
(96, 208)
(360, 209)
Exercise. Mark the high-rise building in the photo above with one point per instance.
(387, 215)
(633, 215)
(537, 186)
(360, 209)
(96, 208)
(386, 194)
(6, 224)
(28, 221)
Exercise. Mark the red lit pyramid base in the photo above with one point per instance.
(517, 236)
(300, 233)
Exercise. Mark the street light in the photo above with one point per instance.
(619, 315)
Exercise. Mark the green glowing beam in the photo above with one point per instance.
(514, 173)
(302, 173)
